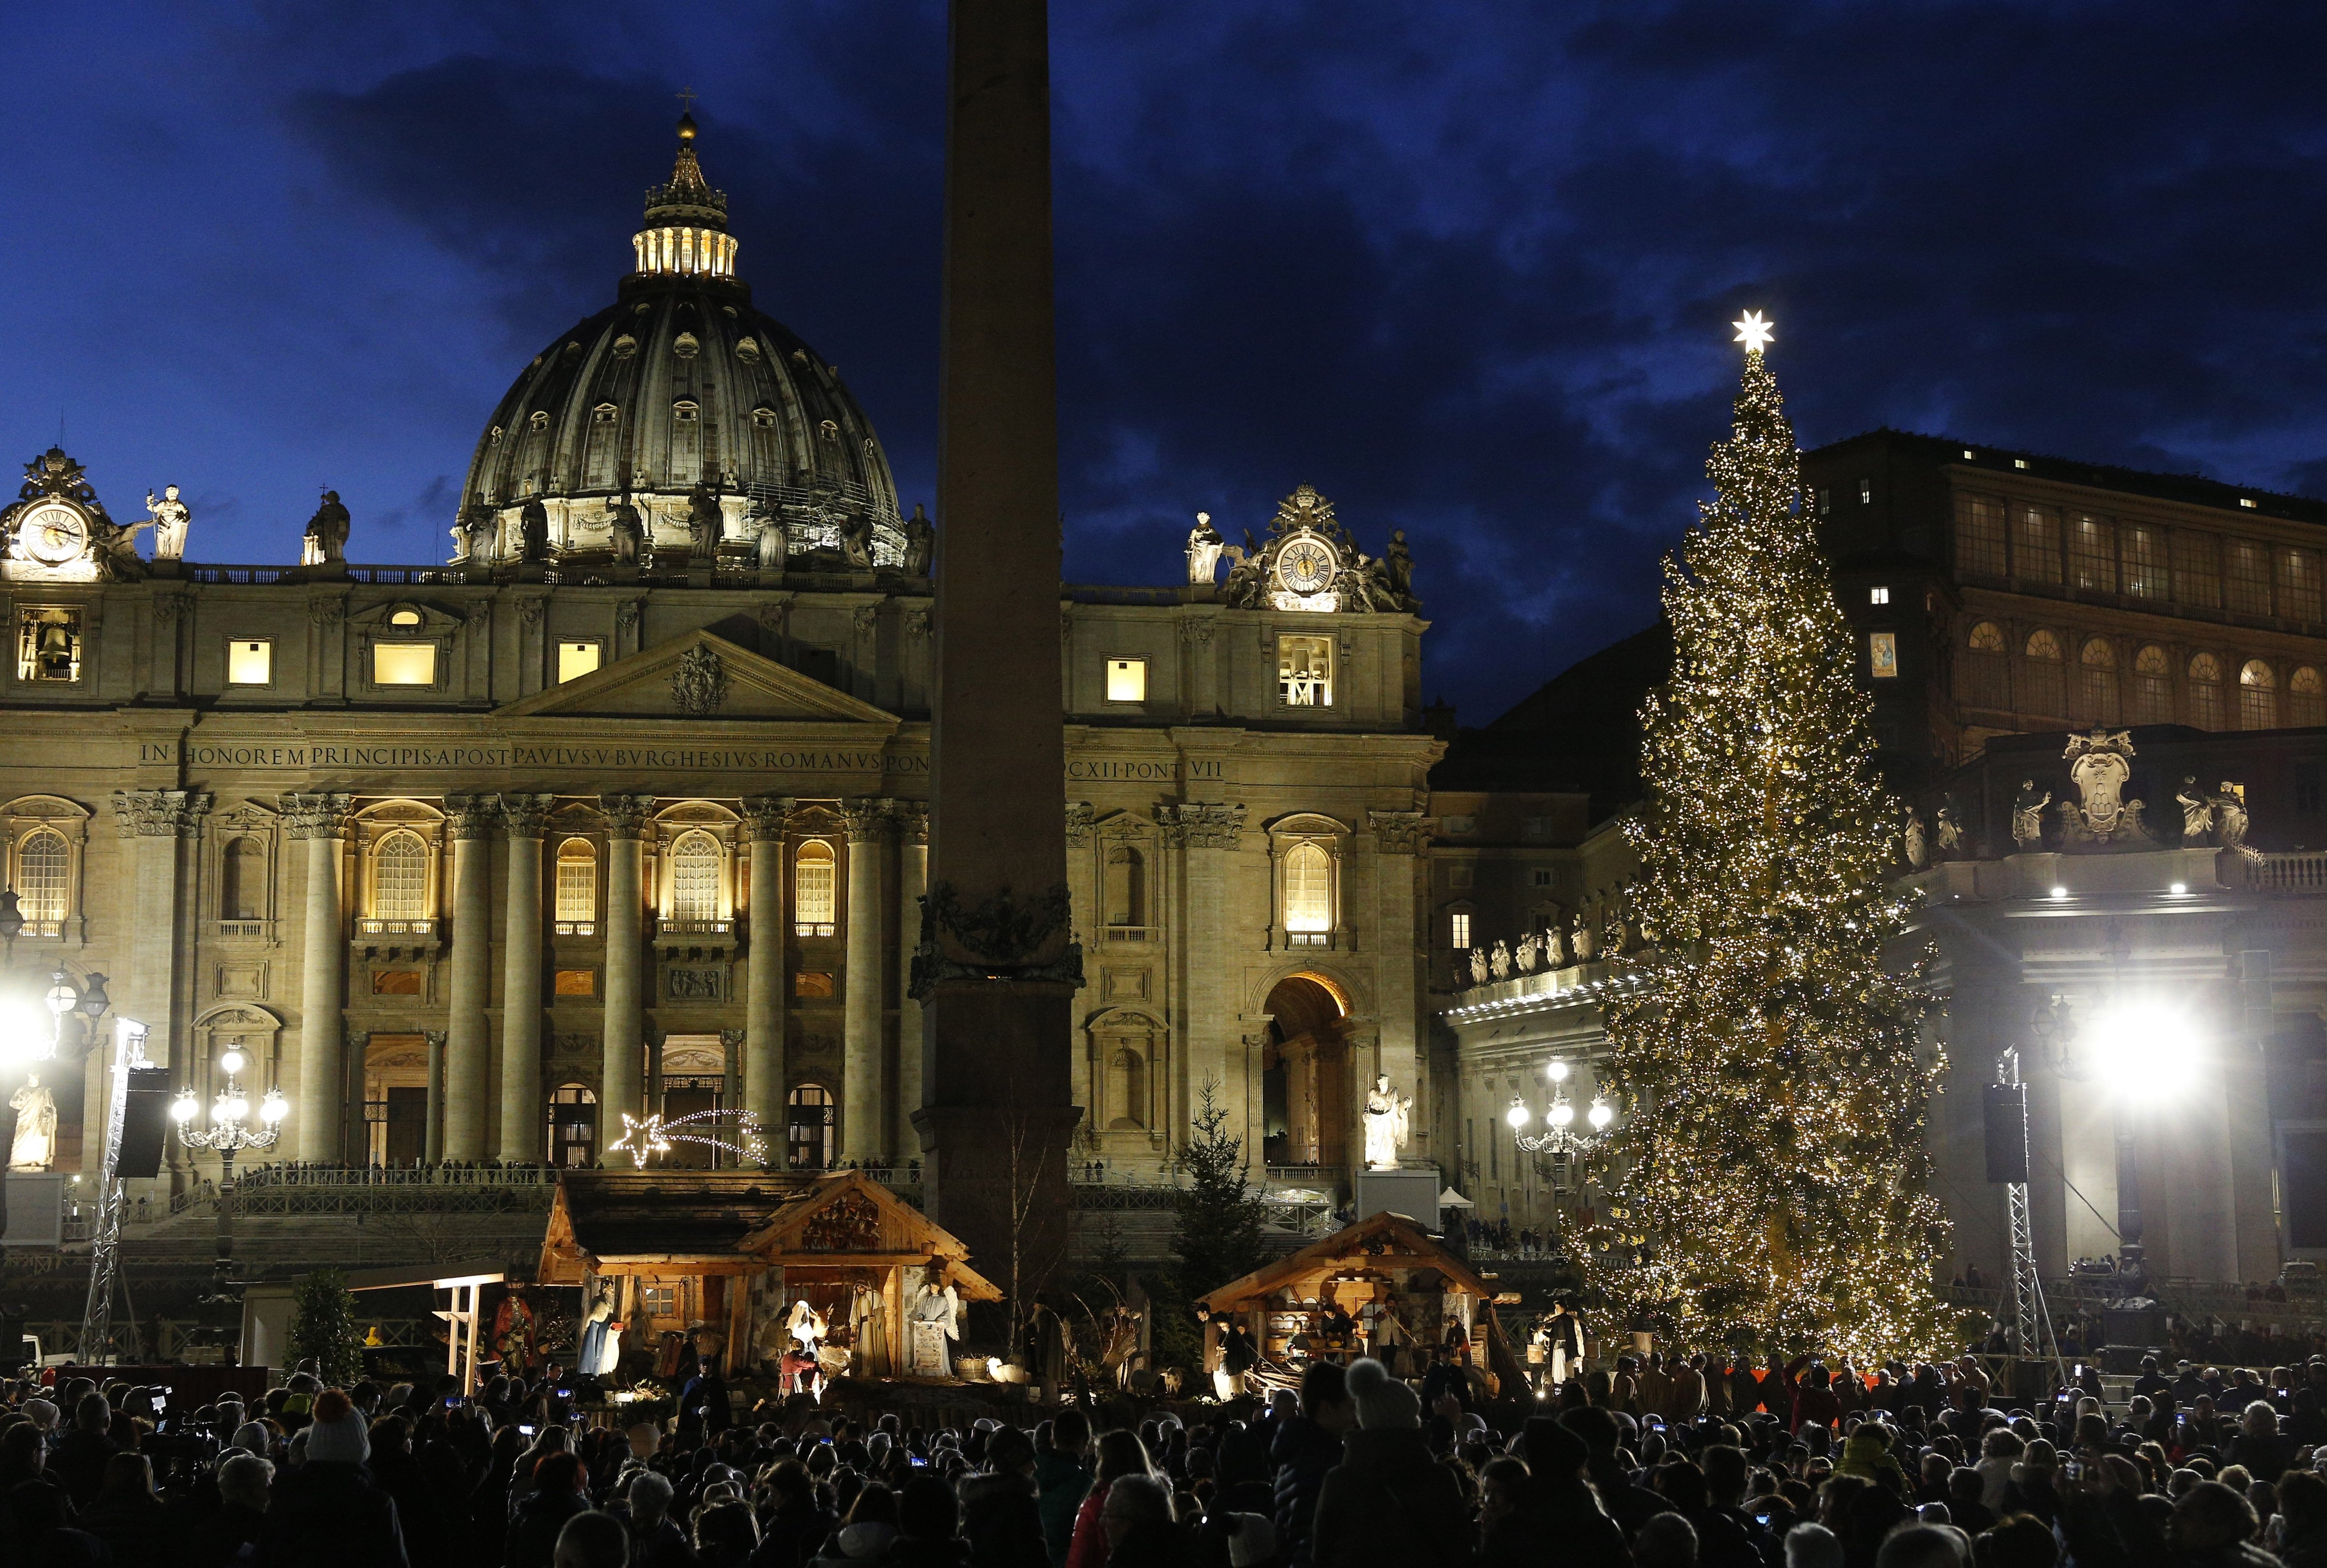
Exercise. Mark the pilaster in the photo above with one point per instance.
(764, 817)
(523, 1137)
(321, 820)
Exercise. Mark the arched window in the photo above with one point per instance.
(242, 879)
(572, 1126)
(1127, 893)
(2205, 691)
(577, 887)
(808, 1127)
(44, 881)
(2097, 680)
(1126, 1087)
(2045, 675)
(2257, 696)
(399, 877)
(1308, 893)
(2152, 686)
(2306, 697)
(695, 877)
(816, 884)
(1986, 672)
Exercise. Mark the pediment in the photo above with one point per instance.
(642, 686)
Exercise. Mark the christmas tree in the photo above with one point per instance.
(1770, 1185)
(1218, 1235)
(323, 1326)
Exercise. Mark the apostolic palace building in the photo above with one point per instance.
(622, 809)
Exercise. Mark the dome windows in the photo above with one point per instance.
(799, 356)
(748, 350)
(625, 346)
(685, 410)
(494, 438)
(764, 417)
(830, 429)
(539, 419)
(604, 414)
(687, 346)
(573, 351)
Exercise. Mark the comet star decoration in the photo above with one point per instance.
(1769, 1188)
(643, 1137)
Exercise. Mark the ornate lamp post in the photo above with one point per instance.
(228, 1132)
(1560, 1134)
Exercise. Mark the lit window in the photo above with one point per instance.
(2246, 503)
(405, 618)
(577, 887)
(815, 887)
(2257, 696)
(251, 663)
(1824, 502)
(399, 887)
(44, 881)
(2020, 463)
(1126, 680)
(1459, 931)
(694, 878)
(412, 664)
(2305, 692)
(1883, 655)
(1878, 595)
(1308, 891)
(1866, 491)
(575, 659)
(1304, 671)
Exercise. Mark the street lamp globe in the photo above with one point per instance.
(183, 1109)
(63, 995)
(274, 1108)
(231, 1061)
(1556, 1070)
(1519, 1115)
(1562, 1115)
(2145, 1052)
(1600, 1114)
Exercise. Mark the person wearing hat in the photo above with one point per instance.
(1389, 1501)
(329, 1509)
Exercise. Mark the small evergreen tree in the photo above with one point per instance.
(323, 1326)
(1771, 1185)
(1218, 1235)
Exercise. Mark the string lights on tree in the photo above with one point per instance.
(1770, 1185)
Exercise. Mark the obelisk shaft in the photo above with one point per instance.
(996, 1109)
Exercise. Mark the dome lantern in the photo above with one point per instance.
(686, 227)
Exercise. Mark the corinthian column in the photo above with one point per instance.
(862, 1135)
(763, 972)
(468, 1046)
(913, 820)
(1399, 839)
(317, 1113)
(622, 1084)
(158, 824)
(523, 1123)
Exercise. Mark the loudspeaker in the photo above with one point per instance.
(146, 1124)
(2006, 1110)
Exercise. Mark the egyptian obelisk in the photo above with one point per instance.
(997, 969)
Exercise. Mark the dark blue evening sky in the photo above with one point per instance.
(1464, 268)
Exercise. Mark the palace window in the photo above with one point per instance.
(1125, 893)
(577, 659)
(48, 645)
(2257, 696)
(577, 887)
(808, 1127)
(816, 886)
(2097, 681)
(242, 879)
(572, 1126)
(2247, 574)
(2036, 545)
(404, 664)
(251, 661)
(1126, 680)
(1878, 595)
(1986, 671)
(2092, 553)
(695, 877)
(1308, 894)
(1304, 671)
(44, 881)
(2152, 686)
(2044, 673)
(2298, 584)
(2197, 569)
(399, 877)
(1979, 537)
(2143, 553)
(2306, 697)
(2205, 691)
(1458, 930)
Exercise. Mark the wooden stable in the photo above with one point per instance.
(1383, 1265)
(717, 1258)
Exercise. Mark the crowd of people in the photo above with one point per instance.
(1354, 1469)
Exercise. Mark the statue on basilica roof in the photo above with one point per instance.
(325, 542)
(169, 518)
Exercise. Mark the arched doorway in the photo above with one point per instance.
(1305, 1074)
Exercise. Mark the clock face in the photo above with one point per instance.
(52, 533)
(1305, 565)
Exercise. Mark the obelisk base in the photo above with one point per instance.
(996, 1125)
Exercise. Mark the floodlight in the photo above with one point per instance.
(2145, 1051)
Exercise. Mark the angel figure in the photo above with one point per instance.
(2197, 810)
(1531, 952)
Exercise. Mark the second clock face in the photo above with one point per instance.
(1304, 566)
(52, 533)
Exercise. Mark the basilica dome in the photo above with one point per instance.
(679, 390)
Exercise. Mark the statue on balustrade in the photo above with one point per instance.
(1529, 953)
(1555, 946)
(325, 542)
(704, 527)
(170, 518)
(1203, 551)
(921, 542)
(1947, 831)
(2028, 816)
(1499, 960)
(533, 531)
(627, 530)
(1386, 1116)
(2197, 810)
(1918, 850)
(1478, 965)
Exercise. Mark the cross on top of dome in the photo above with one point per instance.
(688, 197)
